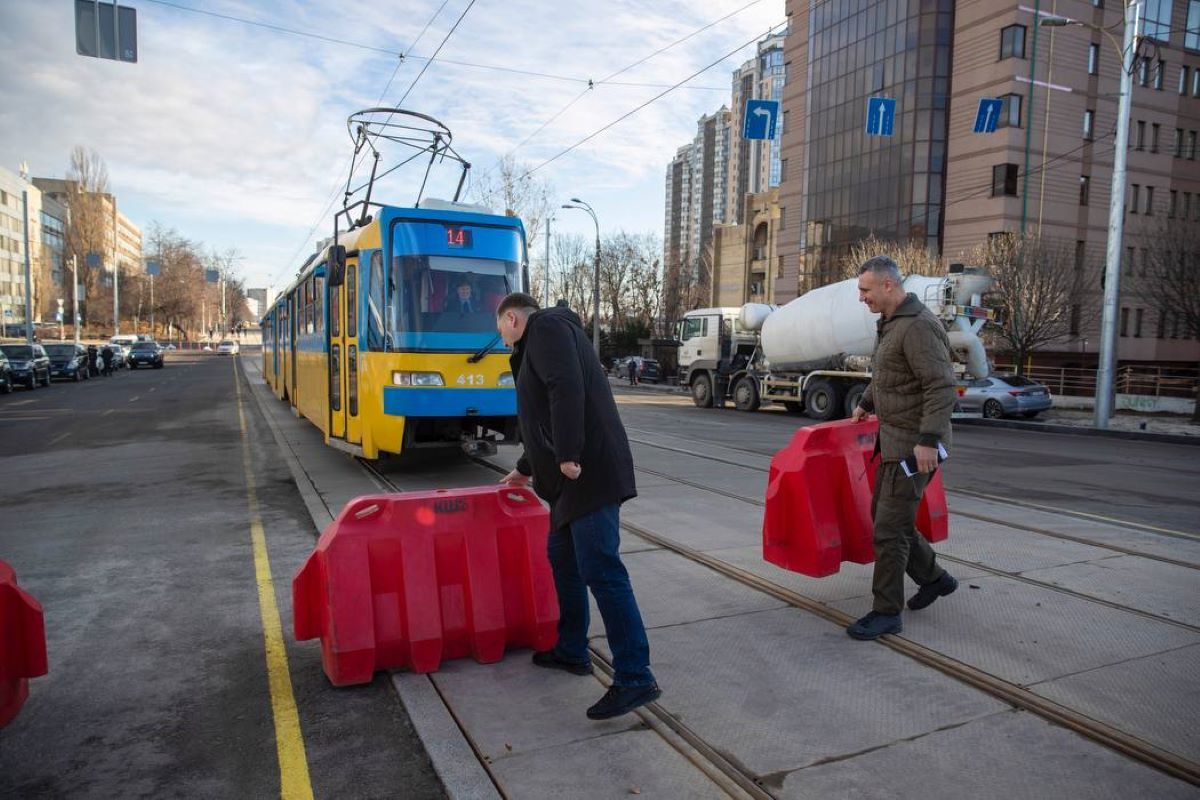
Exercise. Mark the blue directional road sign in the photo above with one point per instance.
(152, 268)
(212, 276)
(881, 115)
(988, 114)
(761, 116)
(92, 259)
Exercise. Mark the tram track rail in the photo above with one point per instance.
(1041, 531)
(1127, 744)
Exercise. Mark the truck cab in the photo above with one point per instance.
(712, 343)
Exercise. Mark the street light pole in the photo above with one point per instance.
(28, 275)
(595, 274)
(546, 296)
(1116, 213)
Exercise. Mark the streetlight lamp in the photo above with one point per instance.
(1116, 209)
(596, 273)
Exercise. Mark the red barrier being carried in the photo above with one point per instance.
(22, 644)
(406, 580)
(819, 500)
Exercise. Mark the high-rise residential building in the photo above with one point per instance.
(754, 165)
(12, 245)
(1047, 168)
(122, 239)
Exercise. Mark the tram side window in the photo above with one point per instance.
(319, 304)
(376, 327)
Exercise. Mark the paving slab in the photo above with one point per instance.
(671, 590)
(1168, 590)
(695, 517)
(987, 759)
(615, 767)
(779, 690)
(1030, 634)
(1012, 549)
(1156, 698)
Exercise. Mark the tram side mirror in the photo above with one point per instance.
(337, 265)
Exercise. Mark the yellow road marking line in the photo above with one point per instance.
(294, 782)
(1070, 511)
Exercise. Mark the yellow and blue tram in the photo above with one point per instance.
(390, 344)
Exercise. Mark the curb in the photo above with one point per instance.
(455, 762)
(1074, 430)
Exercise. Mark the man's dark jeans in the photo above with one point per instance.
(585, 556)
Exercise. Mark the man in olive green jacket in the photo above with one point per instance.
(912, 392)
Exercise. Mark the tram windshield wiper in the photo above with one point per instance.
(475, 359)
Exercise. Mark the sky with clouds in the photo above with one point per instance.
(235, 134)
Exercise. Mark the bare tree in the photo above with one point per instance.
(508, 189)
(1171, 282)
(1036, 283)
(91, 221)
(573, 272)
(913, 259)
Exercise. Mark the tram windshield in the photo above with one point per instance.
(441, 295)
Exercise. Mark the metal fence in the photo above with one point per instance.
(1139, 379)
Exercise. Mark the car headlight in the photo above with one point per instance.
(417, 379)
(506, 379)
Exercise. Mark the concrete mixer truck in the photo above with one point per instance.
(813, 355)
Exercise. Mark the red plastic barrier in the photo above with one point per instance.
(819, 500)
(406, 580)
(22, 644)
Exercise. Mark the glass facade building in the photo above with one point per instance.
(859, 184)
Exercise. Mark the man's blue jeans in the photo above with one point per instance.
(585, 556)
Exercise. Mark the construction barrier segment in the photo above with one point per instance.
(408, 580)
(22, 644)
(818, 510)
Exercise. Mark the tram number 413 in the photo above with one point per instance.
(470, 380)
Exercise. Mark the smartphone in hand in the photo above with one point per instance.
(909, 464)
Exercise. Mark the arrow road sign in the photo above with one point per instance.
(881, 115)
(988, 114)
(761, 116)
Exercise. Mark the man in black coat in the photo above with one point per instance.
(578, 457)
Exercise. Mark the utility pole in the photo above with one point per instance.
(546, 297)
(74, 296)
(116, 272)
(28, 271)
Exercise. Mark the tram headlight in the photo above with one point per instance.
(506, 379)
(417, 379)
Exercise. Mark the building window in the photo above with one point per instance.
(1183, 80)
(1156, 19)
(1010, 111)
(1160, 71)
(1143, 69)
(1172, 202)
(1089, 124)
(1012, 42)
(782, 217)
(1093, 59)
(1187, 205)
(1133, 195)
(1154, 131)
(1137, 322)
(783, 170)
(1149, 201)
(1085, 189)
(1141, 135)
(1191, 145)
(1196, 82)
(1179, 142)
(1124, 321)
(1130, 258)
(1162, 324)
(1004, 180)
(1191, 32)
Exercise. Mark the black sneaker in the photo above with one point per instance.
(874, 625)
(932, 591)
(620, 700)
(550, 660)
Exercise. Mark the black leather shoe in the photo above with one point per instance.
(932, 591)
(620, 700)
(874, 625)
(550, 660)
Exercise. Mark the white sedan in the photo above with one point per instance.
(227, 348)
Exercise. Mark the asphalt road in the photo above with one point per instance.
(124, 510)
(1149, 483)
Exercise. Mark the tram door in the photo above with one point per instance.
(336, 303)
(293, 330)
(349, 370)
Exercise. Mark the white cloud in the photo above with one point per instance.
(224, 125)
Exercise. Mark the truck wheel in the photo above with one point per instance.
(822, 400)
(853, 396)
(702, 394)
(745, 394)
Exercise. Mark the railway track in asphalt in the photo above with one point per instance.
(1041, 531)
(724, 774)
(1019, 697)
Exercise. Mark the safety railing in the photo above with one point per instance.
(1139, 379)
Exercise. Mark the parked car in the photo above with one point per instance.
(7, 379)
(228, 347)
(29, 362)
(1005, 395)
(650, 370)
(67, 360)
(146, 354)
